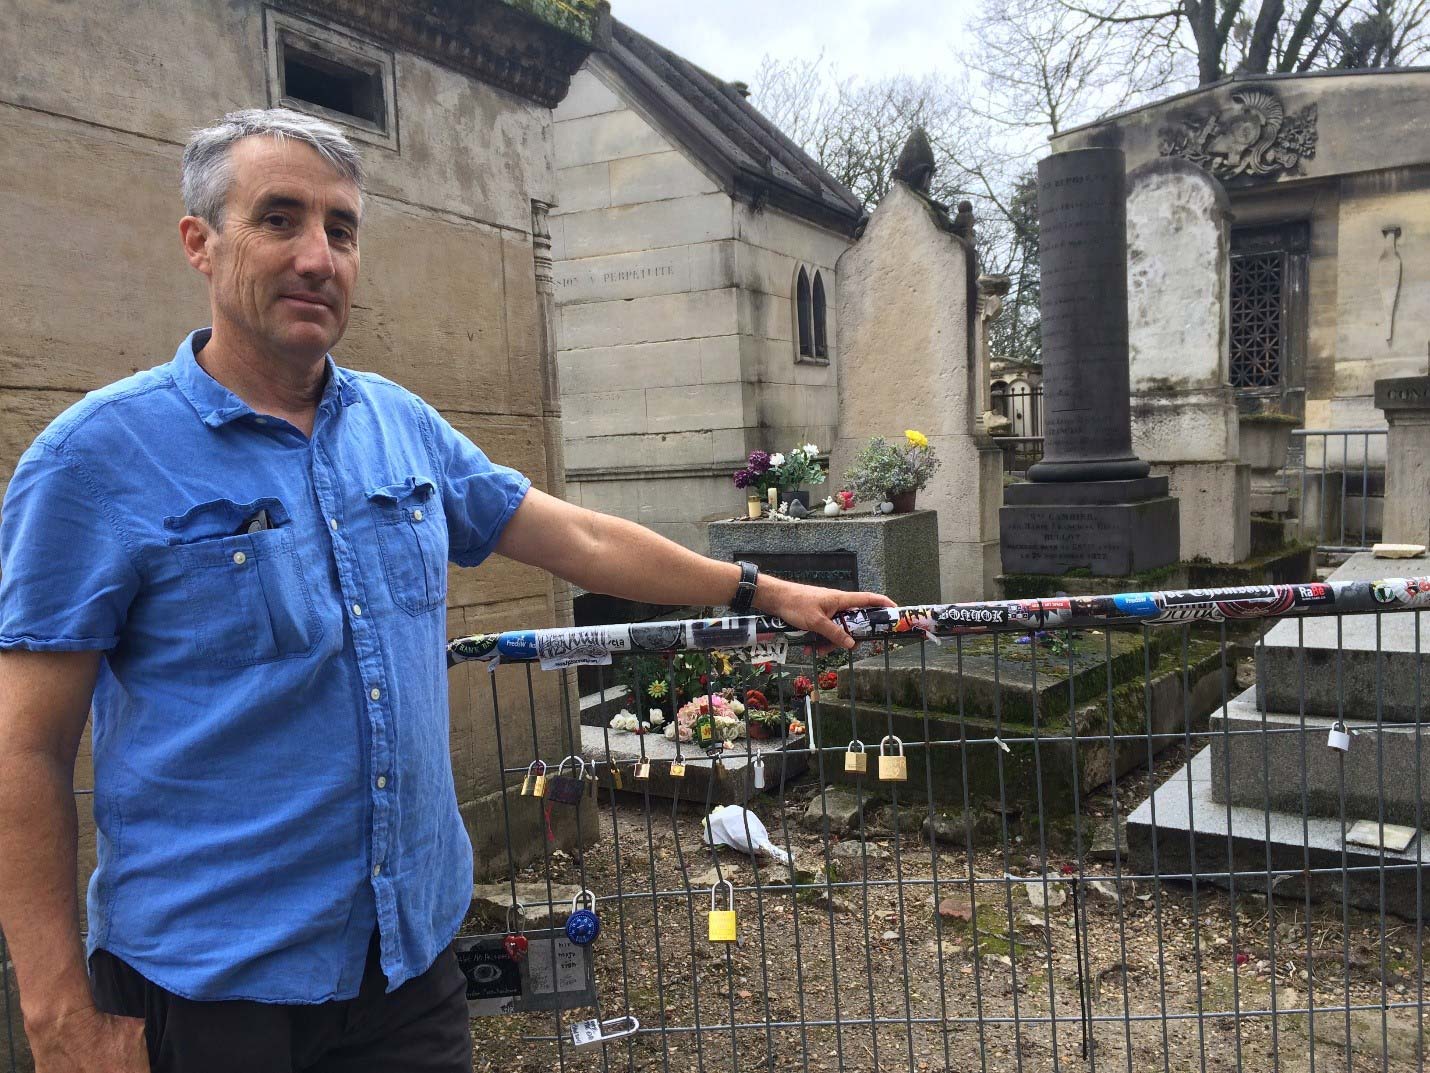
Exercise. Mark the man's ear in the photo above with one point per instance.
(196, 234)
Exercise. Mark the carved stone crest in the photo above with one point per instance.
(1252, 138)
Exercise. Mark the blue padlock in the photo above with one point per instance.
(583, 926)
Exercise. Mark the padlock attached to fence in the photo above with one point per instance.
(758, 766)
(1339, 739)
(893, 767)
(856, 758)
(567, 789)
(723, 926)
(515, 942)
(534, 785)
(643, 768)
(677, 768)
(583, 926)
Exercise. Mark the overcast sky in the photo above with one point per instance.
(865, 38)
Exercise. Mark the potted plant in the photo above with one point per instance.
(766, 725)
(893, 472)
(798, 468)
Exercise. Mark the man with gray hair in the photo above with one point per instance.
(239, 559)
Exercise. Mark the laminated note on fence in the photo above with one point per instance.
(557, 975)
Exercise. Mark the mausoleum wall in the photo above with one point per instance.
(99, 101)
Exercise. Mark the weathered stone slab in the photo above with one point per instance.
(1182, 828)
(1105, 538)
(1262, 763)
(895, 554)
(1358, 667)
(730, 782)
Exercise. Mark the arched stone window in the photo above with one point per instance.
(821, 333)
(804, 314)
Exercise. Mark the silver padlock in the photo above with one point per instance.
(1338, 737)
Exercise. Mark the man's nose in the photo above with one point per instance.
(314, 259)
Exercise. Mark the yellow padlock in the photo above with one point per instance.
(528, 784)
(677, 768)
(856, 761)
(893, 767)
(723, 926)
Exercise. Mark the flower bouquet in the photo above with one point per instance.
(893, 472)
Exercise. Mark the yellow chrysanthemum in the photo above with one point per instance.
(916, 439)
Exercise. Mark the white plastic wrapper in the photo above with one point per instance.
(726, 826)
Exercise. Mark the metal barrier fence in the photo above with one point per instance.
(1122, 832)
(1073, 840)
(1341, 480)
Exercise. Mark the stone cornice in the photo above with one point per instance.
(528, 47)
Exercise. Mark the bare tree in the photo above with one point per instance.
(1284, 36)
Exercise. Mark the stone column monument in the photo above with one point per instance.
(1184, 420)
(1089, 504)
(1405, 401)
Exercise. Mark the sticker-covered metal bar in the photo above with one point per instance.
(570, 646)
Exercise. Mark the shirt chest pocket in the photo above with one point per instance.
(246, 597)
(412, 540)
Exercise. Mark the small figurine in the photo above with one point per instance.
(831, 506)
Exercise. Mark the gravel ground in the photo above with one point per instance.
(1152, 955)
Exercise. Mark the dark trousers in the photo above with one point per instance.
(421, 1027)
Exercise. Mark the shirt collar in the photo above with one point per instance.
(217, 405)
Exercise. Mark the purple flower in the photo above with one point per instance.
(759, 462)
(742, 478)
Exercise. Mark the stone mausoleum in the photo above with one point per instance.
(451, 106)
(1326, 177)
(695, 254)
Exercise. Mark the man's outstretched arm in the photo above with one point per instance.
(44, 702)
(610, 555)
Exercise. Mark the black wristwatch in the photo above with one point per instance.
(745, 590)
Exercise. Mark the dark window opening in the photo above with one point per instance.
(1268, 270)
(338, 87)
(821, 335)
(806, 319)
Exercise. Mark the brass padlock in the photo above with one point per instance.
(677, 768)
(534, 785)
(856, 760)
(643, 768)
(723, 926)
(617, 783)
(893, 767)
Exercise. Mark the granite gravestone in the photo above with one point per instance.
(1089, 504)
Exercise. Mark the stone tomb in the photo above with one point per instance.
(1089, 504)
(1269, 787)
(895, 554)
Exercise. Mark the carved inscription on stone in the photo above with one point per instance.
(1067, 538)
(1084, 305)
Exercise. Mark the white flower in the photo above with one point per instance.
(625, 720)
(657, 717)
(777, 459)
(670, 731)
(737, 707)
(811, 449)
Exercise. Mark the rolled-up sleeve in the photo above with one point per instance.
(478, 496)
(67, 578)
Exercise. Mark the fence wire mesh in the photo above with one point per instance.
(1128, 832)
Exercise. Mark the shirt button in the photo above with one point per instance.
(377, 870)
(240, 558)
(333, 524)
(376, 694)
(357, 610)
(262, 420)
(417, 515)
(381, 782)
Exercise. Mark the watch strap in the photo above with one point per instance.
(744, 598)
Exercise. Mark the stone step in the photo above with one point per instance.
(1181, 830)
(1257, 762)
(1360, 667)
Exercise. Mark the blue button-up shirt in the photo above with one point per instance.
(270, 735)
